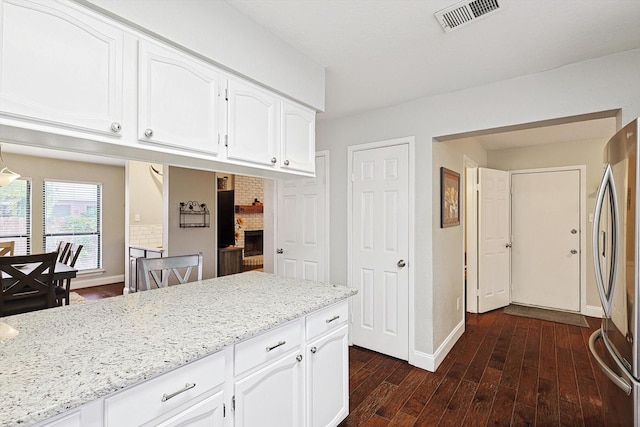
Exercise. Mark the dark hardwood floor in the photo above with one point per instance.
(504, 370)
(99, 292)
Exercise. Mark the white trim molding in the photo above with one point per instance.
(593, 311)
(430, 362)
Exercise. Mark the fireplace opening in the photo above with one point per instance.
(252, 242)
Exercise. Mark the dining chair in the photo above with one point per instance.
(27, 283)
(63, 250)
(150, 267)
(7, 248)
(63, 287)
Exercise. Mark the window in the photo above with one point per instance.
(72, 213)
(15, 215)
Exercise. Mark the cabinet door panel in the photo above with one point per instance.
(328, 379)
(298, 138)
(178, 100)
(253, 124)
(272, 396)
(60, 66)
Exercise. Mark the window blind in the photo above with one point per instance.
(15, 215)
(72, 213)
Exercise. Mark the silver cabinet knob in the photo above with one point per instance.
(148, 133)
(280, 251)
(286, 162)
(116, 127)
(401, 264)
(274, 160)
(573, 251)
(314, 350)
(299, 358)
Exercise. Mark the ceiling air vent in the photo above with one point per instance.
(465, 12)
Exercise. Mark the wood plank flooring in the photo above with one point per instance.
(504, 370)
(103, 291)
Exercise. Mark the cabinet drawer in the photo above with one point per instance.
(327, 319)
(144, 402)
(267, 346)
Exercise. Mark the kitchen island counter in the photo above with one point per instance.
(65, 357)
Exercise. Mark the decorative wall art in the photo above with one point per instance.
(449, 198)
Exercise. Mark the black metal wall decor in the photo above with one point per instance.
(194, 214)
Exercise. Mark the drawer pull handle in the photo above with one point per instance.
(187, 387)
(336, 317)
(276, 346)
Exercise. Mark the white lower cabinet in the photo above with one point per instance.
(328, 379)
(273, 396)
(290, 376)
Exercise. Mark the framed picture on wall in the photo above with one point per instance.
(449, 198)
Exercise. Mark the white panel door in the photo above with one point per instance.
(302, 226)
(178, 100)
(253, 127)
(493, 239)
(60, 66)
(380, 247)
(546, 233)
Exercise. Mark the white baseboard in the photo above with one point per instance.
(430, 362)
(79, 282)
(593, 311)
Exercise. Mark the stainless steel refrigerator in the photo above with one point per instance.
(616, 249)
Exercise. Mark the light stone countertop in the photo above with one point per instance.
(67, 356)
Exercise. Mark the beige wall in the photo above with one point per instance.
(145, 193)
(192, 185)
(603, 84)
(112, 179)
(588, 153)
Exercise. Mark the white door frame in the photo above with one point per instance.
(410, 141)
(470, 233)
(582, 169)
(271, 217)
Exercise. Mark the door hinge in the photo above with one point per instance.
(226, 94)
(218, 139)
(226, 140)
(233, 403)
(224, 410)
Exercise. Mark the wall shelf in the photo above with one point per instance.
(194, 215)
(249, 209)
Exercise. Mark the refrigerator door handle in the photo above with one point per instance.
(606, 297)
(615, 378)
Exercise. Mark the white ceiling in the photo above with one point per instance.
(385, 52)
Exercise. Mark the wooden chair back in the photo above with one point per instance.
(72, 254)
(63, 287)
(63, 250)
(150, 267)
(7, 248)
(26, 283)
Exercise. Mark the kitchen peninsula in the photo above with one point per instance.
(213, 344)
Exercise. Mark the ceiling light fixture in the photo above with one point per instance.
(6, 175)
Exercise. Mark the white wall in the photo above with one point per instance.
(603, 84)
(216, 30)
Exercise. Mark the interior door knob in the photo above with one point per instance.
(574, 231)
(507, 245)
(401, 264)
(280, 251)
(573, 251)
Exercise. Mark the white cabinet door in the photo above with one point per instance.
(60, 66)
(298, 142)
(272, 396)
(328, 379)
(253, 119)
(208, 413)
(178, 99)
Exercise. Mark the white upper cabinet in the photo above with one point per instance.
(178, 99)
(253, 120)
(60, 66)
(298, 138)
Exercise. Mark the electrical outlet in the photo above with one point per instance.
(136, 217)
(458, 304)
